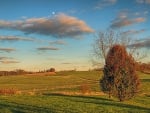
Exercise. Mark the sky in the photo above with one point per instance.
(40, 34)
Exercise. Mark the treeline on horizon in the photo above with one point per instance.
(142, 67)
(23, 72)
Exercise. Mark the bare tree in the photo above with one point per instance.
(105, 40)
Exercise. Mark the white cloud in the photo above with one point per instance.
(60, 25)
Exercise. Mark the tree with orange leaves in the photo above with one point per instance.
(120, 78)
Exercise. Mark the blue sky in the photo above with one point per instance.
(39, 34)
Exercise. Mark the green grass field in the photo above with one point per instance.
(67, 92)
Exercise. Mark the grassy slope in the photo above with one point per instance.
(60, 81)
(71, 104)
(68, 81)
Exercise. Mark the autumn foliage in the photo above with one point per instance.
(120, 78)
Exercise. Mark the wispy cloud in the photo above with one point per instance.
(7, 49)
(143, 1)
(5, 58)
(126, 22)
(133, 32)
(126, 18)
(139, 13)
(66, 63)
(145, 43)
(8, 60)
(59, 25)
(47, 48)
(72, 11)
(104, 3)
(15, 38)
(58, 42)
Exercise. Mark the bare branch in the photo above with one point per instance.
(105, 40)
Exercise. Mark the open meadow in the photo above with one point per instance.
(74, 56)
(66, 92)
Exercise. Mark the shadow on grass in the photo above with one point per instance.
(24, 108)
(100, 101)
(77, 96)
(145, 80)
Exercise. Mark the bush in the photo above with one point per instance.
(85, 88)
(120, 78)
(52, 70)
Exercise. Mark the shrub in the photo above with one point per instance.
(52, 70)
(85, 88)
(120, 78)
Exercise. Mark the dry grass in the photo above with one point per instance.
(8, 91)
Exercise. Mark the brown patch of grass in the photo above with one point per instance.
(85, 88)
(8, 91)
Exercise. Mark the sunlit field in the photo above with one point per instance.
(74, 56)
(66, 92)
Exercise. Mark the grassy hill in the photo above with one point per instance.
(66, 92)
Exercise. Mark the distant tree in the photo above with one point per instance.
(143, 67)
(20, 71)
(52, 70)
(120, 78)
